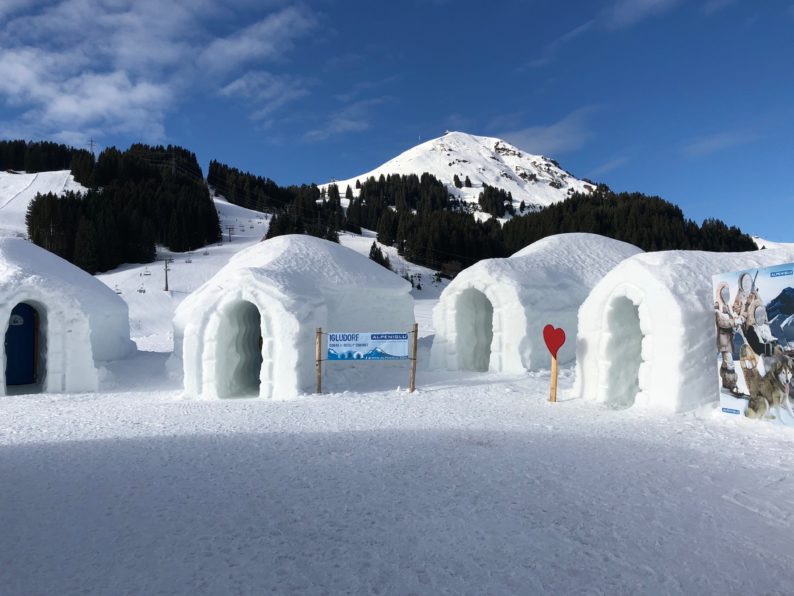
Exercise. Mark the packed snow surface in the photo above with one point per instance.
(647, 335)
(17, 190)
(492, 315)
(251, 329)
(474, 484)
(534, 179)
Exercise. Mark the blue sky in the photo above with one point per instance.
(689, 99)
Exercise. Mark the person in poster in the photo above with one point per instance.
(727, 324)
(761, 336)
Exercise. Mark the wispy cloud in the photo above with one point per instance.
(355, 117)
(79, 68)
(551, 50)
(608, 166)
(266, 92)
(267, 39)
(567, 134)
(713, 143)
(626, 13)
(363, 86)
(714, 6)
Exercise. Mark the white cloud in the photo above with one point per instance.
(75, 68)
(714, 6)
(606, 167)
(626, 13)
(268, 38)
(267, 92)
(551, 50)
(353, 118)
(567, 134)
(709, 144)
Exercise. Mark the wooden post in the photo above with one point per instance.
(318, 352)
(412, 380)
(553, 394)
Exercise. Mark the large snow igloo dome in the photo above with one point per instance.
(59, 322)
(251, 329)
(646, 332)
(491, 316)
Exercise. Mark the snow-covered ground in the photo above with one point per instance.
(18, 190)
(474, 484)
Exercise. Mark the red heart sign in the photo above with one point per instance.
(554, 339)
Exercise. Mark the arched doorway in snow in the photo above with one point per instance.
(474, 323)
(622, 353)
(238, 359)
(25, 348)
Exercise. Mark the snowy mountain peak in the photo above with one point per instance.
(534, 179)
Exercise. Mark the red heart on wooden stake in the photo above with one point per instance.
(554, 339)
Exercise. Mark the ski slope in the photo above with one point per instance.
(17, 190)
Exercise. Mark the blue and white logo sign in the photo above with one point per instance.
(368, 346)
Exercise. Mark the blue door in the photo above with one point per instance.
(20, 345)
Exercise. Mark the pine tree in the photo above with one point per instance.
(377, 255)
(456, 181)
(467, 182)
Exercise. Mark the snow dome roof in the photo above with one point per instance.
(296, 267)
(24, 263)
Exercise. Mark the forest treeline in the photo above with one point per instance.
(137, 198)
(151, 195)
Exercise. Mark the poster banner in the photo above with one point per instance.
(368, 346)
(754, 316)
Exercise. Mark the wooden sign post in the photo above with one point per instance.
(554, 339)
(318, 353)
(412, 378)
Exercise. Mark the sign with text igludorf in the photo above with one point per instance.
(368, 346)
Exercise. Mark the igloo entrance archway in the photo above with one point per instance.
(474, 315)
(238, 361)
(25, 348)
(622, 353)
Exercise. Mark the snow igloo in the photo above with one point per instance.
(59, 323)
(646, 332)
(491, 316)
(251, 329)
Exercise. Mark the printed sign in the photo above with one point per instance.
(368, 346)
(754, 315)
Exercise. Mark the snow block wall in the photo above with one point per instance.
(646, 332)
(79, 321)
(250, 330)
(491, 316)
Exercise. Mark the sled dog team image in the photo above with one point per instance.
(756, 337)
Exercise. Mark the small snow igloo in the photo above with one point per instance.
(59, 322)
(251, 329)
(646, 332)
(491, 316)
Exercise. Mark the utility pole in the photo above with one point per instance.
(166, 269)
(230, 228)
(91, 144)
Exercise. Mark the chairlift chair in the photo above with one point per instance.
(141, 290)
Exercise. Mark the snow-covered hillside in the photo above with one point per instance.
(534, 179)
(17, 190)
(768, 244)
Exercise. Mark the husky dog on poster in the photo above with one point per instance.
(754, 315)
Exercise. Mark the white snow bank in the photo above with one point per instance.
(491, 316)
(250, 330)
(646, 332)
(17, 190)
(80, 319)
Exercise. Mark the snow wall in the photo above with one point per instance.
(491, 316)
(81, 322)
(646, 332)
(250, 330)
